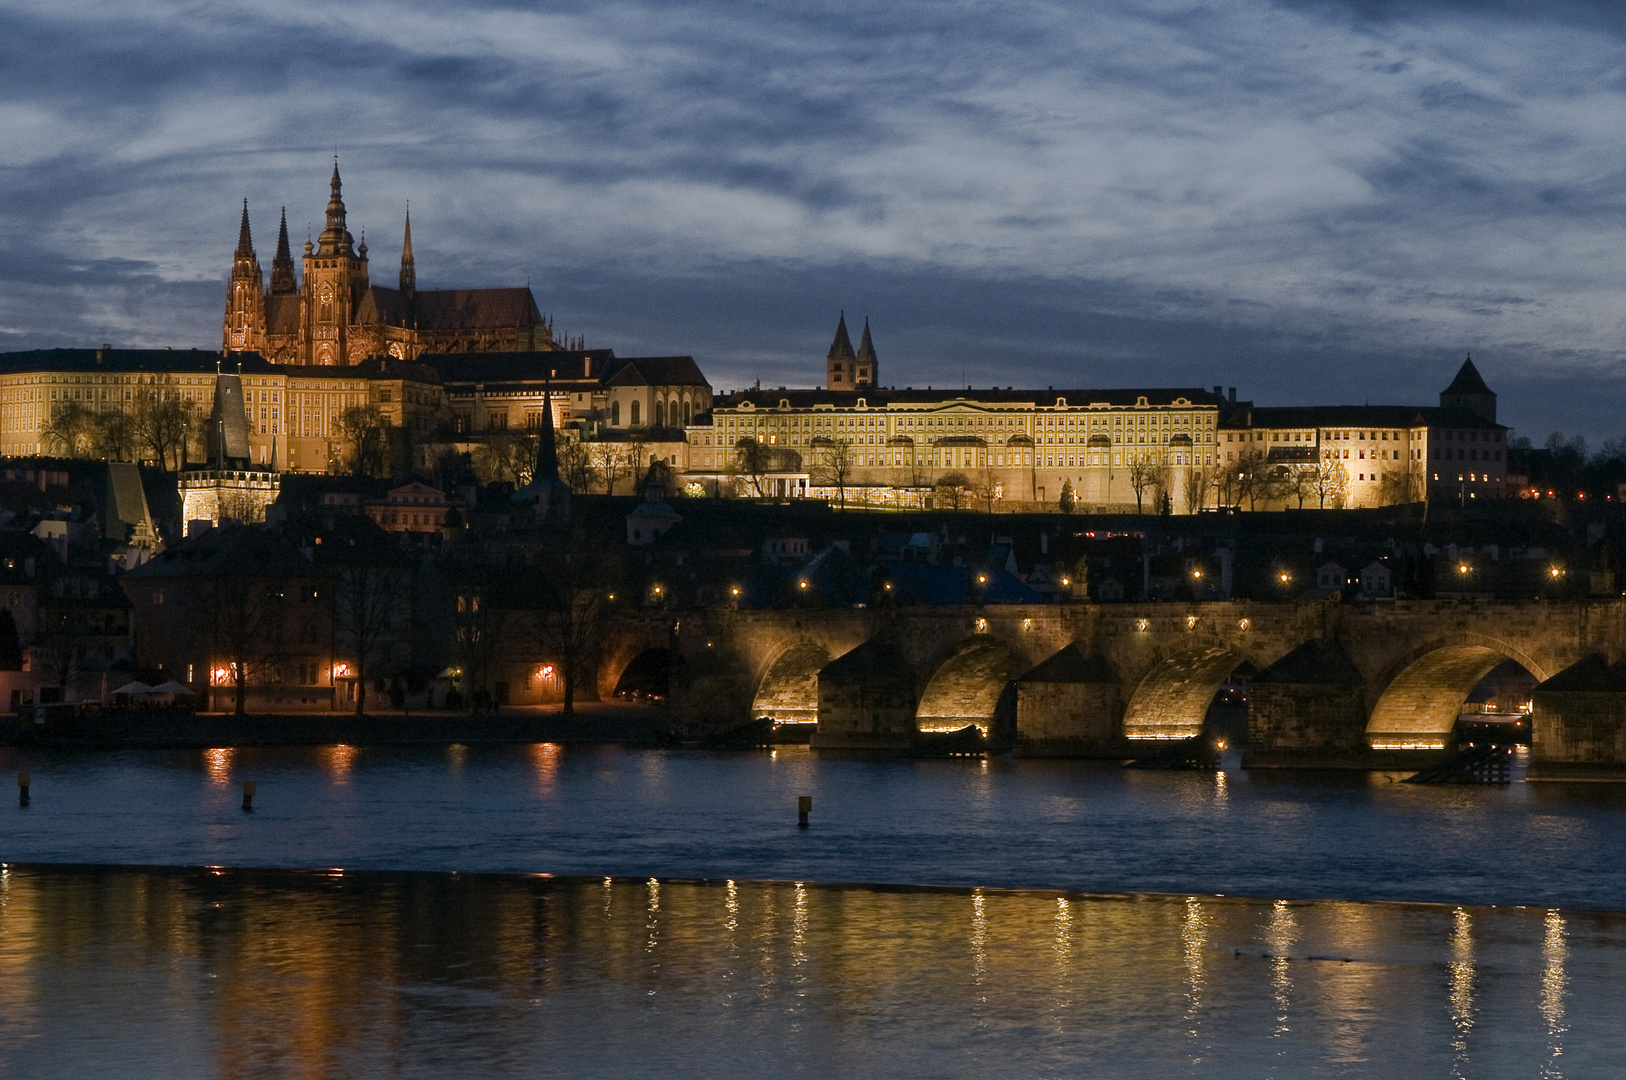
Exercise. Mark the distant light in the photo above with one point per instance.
(1463, 569)
(1196, 572)
(1555, 571)
(802, 584)
(735, 590)
(982, 579)
(1284, 578)
(1067, 581)
(888, 586)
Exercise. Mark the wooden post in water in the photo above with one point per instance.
(248, 795)
(804, 806)
(24, 781)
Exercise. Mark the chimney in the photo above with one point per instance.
(1219, 391)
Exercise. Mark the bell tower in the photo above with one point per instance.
(244, 329)
(839, 364)
(335, 277)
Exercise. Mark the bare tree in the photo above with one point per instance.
(363, 429)
(577, 578)
(1145, 472)
(751, 464)
(1331, 480)
(161, 420)
(246, 628)
(506, 456)
(115, 434)
(1196, 484)
(70, 430)
(368, 605)
(241, 507)
(954, 487)
(1253, 479)
(1067, 499)
(1162, 480)
(833, 464)
(575, 464)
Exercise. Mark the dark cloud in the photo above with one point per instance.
(1309, 200)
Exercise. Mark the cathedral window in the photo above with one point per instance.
(634, 413)
(615, 413)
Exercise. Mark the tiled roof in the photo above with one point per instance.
(876, 398)
(655, 371)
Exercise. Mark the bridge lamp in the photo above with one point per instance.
(1284, 577)
(1462, 568)
(735, 591)
(801, 584)
(1067, 582)
(1196, 573)
(1555, 572)
(887, 586)
(982, 579)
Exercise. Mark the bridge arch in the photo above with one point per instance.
(646, 675)
(1424, 691)
(967, 684)
(788, 690)
(1172, 699)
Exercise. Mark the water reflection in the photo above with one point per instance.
(217, 763)
(236, 974)
(1554, 984)
(1194, 939)
(339, 759)
(1280, 936)
(1461, 968)
(545, 759)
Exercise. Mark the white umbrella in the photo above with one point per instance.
(134, 688)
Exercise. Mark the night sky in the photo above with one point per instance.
(1314, 202)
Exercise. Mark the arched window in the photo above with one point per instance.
(660, 414)
(615, 413)
(635, 405)
(688, 412)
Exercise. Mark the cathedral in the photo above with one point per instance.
(335, 314)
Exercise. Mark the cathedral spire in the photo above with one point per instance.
(245, 242)
(865, 365)
(409, 273)
(282, 267)
(336, 240)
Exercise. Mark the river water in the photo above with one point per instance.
(1017, 918)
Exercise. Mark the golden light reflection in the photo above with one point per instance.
(1281, 934)
(217, 763)
(340, 759)
(979, 940)
(1063, 948)
(732, 904)
(1194, 940)
(1461, 967)
(545, 758)
(457, 755)
(653, 921)
(798, 927)
(1222, 791)
(1554, 983)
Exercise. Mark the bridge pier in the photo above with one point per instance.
(1578, 723)
(867, 700)
(1307, 710)
(1070, 706)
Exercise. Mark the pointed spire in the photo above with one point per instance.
(336, 239)
(409, 273)
(282, 267)
(245, 242)
(547, 453)
(866, 347)
(842, 347)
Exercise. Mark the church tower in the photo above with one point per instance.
(282, 267)
(868, 369)
(840, 363)
(245, 297)
(1469, 392)
(335, 278)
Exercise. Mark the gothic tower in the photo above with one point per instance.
(245, 296)
(840, 362)
(1468, 391)
(282, 267)
(335, 278)
(868, 369)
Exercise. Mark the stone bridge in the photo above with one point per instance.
(1097, 679)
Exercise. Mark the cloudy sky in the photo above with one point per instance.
(1311, 201)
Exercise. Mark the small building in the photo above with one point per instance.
(410, 508)
(1377, 580)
